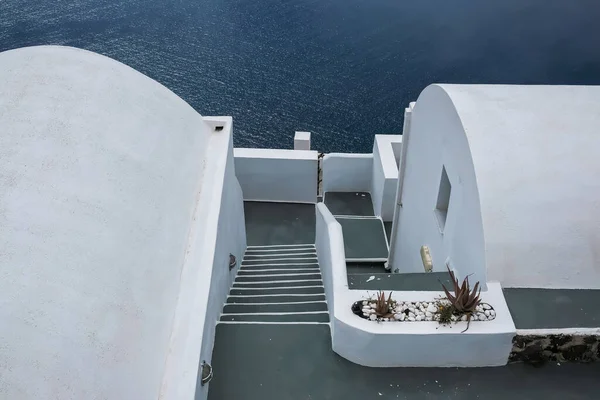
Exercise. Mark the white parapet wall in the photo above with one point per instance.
(386, 151)
(347, 172)
(277, 175)
(404, 344)
(218, 231)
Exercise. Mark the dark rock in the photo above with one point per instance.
(578, 352)
(590, 339)
(561, 340)
(357, 308)
(532, 354)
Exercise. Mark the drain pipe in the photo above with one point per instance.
(389, 265)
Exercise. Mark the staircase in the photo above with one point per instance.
(278, 284)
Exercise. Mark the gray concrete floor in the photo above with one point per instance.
(350, 203)
(418, 281)
(554, 308)
(364, 238)
(279, 223)
(295, 362)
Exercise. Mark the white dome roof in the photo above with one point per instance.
(100, 167)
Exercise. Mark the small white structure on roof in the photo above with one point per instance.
(119, 207)
(503, 182)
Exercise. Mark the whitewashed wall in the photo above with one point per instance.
(277, 175)
(218, 231)
(346, 172)
(101, 168)
(385, 175)
(329, 242)
(437, 139)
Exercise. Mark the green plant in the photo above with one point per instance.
(464, 301)
(382, 306)
(445, 311)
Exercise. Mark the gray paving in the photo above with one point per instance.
(553, 308)
(295, 362)
(349, 203)
(364, 239)
(279, 223)
(431, 281)
(365, 268)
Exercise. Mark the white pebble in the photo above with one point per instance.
(474, 317)
(411, 314)
(492, 313)
(386, 319)
(487, 313)
(431, 308)
(365, 303)
(430, 318)
(428, 314)
(402, 317)
(418, 318)
(486, 306)
(411, 318)
(463, 318)
(372, 317)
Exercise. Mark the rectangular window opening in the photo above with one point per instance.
(443, 200)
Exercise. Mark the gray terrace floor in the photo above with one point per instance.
(349, 203)
(364, 239)
(295, 362)
(553, 308)
(279, 223)
(417, 281)
(258, 361)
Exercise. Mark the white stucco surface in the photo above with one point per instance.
(302, 141)
(329, 243)
(422, 344)
(347, 172)
(404, 344)
(385, 174)
(277, 175)
(523, 164)
(101, 173)
(218, 230)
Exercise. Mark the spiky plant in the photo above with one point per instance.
(464, 301)
(383, 306)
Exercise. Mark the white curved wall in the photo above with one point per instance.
(535, 152)
(100, 169)
(437, 139)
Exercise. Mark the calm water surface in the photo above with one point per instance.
(342, 69)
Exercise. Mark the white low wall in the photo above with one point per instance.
(219, 230)
(422, 344)
(385, 175)
(329, 242)
(277, 175)
(346, 172)
(404, 344)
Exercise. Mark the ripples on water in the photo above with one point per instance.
(342, 69)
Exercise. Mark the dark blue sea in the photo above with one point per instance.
(342, 69)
